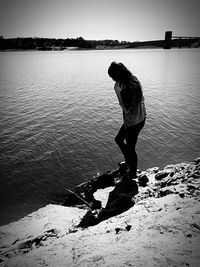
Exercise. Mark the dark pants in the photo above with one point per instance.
(130, 135)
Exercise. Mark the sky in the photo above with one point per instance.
(123, 20)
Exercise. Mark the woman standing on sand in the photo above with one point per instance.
(131, 100)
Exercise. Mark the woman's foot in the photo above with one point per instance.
(123, 167)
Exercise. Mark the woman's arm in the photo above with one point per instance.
(118, 89)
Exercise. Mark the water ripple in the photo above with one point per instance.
(59, 115)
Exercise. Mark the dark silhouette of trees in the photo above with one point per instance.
(53, 43)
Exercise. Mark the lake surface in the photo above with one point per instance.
(59, 115)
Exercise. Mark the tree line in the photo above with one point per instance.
(53, 43)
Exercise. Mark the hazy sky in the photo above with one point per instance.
(130, 20)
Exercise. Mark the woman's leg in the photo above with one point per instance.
(119, 139)
(131, 140)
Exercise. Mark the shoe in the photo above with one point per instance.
(122, 164)
(123, 167)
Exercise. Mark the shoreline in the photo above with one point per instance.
(159, 224)
(93, 49)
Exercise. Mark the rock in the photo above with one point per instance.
(190, 180)
(189, 235)
(169, 167)
(153, 170)
(177, 176)
(161, 174)
(165, 181)
(197, 193)
(191, 186)
(143, 180)
(167, 191)
(196, 174)
(127, 228)
(197, 160)
(171, 180)
(181, 189)
(195, 225)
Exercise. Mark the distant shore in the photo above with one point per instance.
(46, 44)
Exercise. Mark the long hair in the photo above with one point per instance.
(131, 87)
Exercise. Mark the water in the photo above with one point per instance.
(59, 115)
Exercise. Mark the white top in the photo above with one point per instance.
(135, 114)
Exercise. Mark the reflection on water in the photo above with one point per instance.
(59, 115)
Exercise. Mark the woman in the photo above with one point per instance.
(131, 100)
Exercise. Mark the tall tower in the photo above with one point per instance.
(168, 38)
